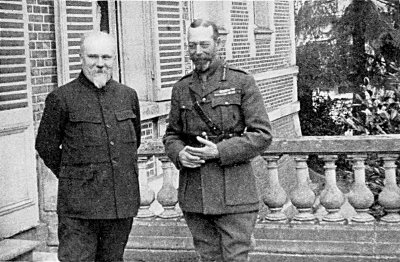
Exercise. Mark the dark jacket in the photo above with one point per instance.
(89, 138)
(232, 100)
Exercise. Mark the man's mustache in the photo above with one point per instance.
(100, 72)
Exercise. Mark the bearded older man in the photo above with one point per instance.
(88, 137)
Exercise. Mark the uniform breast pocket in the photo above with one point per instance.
(86, 128)
(228, 106)
(125, 120)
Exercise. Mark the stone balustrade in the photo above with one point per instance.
(302, 197)
(360, 197)
(296, 222)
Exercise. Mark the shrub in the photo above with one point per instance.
(378, 112)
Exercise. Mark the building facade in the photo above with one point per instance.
(39, 42)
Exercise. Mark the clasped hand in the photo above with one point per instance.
(193, 157)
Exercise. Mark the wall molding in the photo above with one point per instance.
(151, 110)
(16, 206)
(283, 111)
(14, 129)
(293, 70)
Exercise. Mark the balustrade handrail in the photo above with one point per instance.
(151, 147)
(308, 145)
(335, 145)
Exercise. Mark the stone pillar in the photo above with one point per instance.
(302, 196)
(275, 196)
(389, 198)
(360, 196)
(147, 195)
(168, 194)
(331, 197)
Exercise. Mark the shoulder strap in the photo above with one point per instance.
(213, 127)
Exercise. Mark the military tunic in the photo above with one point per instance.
(89, 138)
(231, 99)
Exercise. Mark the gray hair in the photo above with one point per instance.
(206, 23)
(97, 35)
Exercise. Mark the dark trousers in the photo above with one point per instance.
(92, 239)
(222, 238)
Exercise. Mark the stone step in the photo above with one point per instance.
(142, 255)
(147, 255)
(17, 249)
(44, 257)
(170, 240)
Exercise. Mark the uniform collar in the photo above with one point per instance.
(86, 82)
(216, 66)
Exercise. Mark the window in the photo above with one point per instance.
(263, 19)
(153, 51)
(264, 26)
(73, 19)
(102, 13)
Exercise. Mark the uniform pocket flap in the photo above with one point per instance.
(226, 100)
(124, 115)
(84, 117)
(73, 172)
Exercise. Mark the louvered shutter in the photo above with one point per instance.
(74, 18)
(13, 56)
(170, 58)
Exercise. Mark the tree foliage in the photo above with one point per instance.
(358, 51)
(339, 47)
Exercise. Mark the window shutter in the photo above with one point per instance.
(13, 56)
(74, 18)
(170, 58)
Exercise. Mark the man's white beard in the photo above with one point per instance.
(100, 80)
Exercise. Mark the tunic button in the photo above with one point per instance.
(112, 143)
(226, 103)
(204, 99)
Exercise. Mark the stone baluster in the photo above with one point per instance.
(331, 197)
(147, 195)
(274, 196)
(175, 182)
(168, 194)
(389, 198)
(302, 196)
(360, 196)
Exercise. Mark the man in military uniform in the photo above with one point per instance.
(217, 124)
(88, 137)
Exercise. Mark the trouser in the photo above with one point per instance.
(92, 239)
(222, 238)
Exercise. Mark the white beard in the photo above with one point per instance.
(100, 80)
